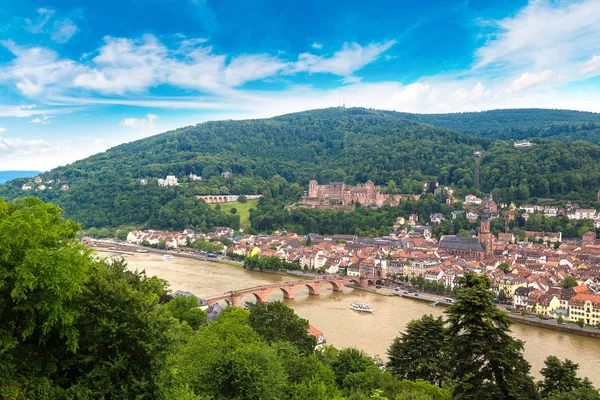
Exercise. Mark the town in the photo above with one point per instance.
(543, 274)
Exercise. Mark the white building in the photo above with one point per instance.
(550, 211)
(472, 199)
(171, 180)
(26, 186)
(583, 213)
(143, 182)
(525, 143)
(195, 177)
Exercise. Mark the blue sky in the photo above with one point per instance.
(77, 77)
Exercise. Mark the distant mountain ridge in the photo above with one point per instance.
(6, 176)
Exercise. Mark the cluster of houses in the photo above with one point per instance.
(39, 185)
(528, 275)
(571, 211)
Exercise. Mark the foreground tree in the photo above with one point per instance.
(487, 363)
(42, 272)
(421, 352)
(276, 322)
(561, 377)
(187, 309)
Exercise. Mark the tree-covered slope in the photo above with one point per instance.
(278, 156)
(518, 124)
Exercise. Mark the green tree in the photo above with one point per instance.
(233, 210)
(504, 267)
(569, 282)
(122, 234)
(308, 241)
(187, 309)
(161, 244)
(502, 296)
(276, 322)
(242, 199)
(420, 352)
(43, 270)
(487, 362)
(560, 319)
(580, 322)
(559, 377)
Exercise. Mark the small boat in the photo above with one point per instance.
(141, 251)
(168, 257)
(433, 304)
(361, 307)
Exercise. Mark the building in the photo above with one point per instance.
(437, 218)
(143, 182)
(551, 237)
(521, 295)
(195, 177)
(171, 180)
(459, 246)
(340, 194)
(37, 179)
(486, 238)
(582, 213)
(585, 306)
(226, 174)
(472, 200)
(64, 187)
(525, 143)
(510, 283)
(26, 186)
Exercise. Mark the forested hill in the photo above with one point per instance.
(278, 156)
(517, 124)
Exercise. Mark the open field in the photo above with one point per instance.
(243, 210)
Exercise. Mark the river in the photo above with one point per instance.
(342, 327)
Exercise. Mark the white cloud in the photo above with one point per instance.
(591, 66)
(544, 34)
(530, 80)
(45, 120)
(44, 15)
(36, 70)
(2, 130)
(64, 30)
(139, 122)
(317, 46)
(344, 62)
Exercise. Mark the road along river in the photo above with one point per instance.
(342, 327)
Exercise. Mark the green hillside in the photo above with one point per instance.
(517, 124)
(278, 156)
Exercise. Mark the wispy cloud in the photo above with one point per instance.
(2, 130)
(530, 80)
(60, 31)
(63, 30)
(345, 62)
(44, 120)
(543, 34)
(317, 46)
(591, 66)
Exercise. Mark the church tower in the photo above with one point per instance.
(486, 238)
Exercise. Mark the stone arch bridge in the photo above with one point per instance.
(261, 293)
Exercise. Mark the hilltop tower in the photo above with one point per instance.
(485, 237)
(477, 170)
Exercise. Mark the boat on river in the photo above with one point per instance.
(168, 257)
(361, 307)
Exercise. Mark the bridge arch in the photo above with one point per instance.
(289, 292)
(355, 281)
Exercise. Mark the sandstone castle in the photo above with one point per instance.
(340, 195)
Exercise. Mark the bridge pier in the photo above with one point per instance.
(289, 292)
(314, 288)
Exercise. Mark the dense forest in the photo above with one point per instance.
(518, 124)
(77, 327)
(277, 157)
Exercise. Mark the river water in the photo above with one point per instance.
(342, 327)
